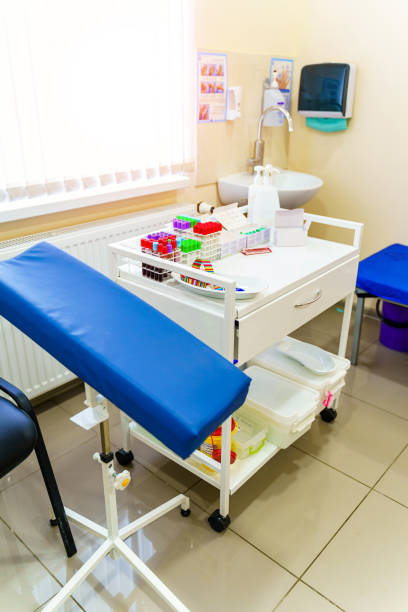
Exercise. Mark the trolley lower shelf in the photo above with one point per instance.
(240, 471)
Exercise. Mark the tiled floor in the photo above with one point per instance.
(322, 527)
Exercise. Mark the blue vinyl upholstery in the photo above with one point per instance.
(385, 274)
(164, 378)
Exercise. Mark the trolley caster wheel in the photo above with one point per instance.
(185, 512)
(124, 457)
(53, 522)
(218, 522)
(328, 415)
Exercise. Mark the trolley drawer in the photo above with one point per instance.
(273, 321)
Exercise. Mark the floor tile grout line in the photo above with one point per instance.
(331, 466)
(391, 498)
(334, 535)
(371, 489)
(300, 578)
(389, 467)
(299, 581)
(349, 475)
(322, 595)
(282, 599)
(398, 416)
(262, 552)
(20, 539)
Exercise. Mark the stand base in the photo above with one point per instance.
(115, 546)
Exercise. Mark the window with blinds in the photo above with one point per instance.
(97, 99)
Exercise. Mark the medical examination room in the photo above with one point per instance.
(227, 429)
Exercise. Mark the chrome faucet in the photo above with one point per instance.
(257, 159)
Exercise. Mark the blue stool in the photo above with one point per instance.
(382, 275)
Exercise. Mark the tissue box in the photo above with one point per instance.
(290, 236)
(289, 218)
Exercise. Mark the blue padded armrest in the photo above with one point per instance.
(385, 274)
(164, 378)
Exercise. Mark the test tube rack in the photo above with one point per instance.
(209, 234)
(259, 235)
(164, 246)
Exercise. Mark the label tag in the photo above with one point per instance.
(257, 251)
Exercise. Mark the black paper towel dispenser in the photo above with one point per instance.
(327, 90)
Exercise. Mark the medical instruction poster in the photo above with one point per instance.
(284, 69)
(212, 73)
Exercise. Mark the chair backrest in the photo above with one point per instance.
(18, 436)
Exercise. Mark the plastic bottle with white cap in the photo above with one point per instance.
(263, 198)
(253, 192)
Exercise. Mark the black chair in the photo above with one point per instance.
(20, 434)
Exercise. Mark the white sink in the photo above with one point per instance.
(294, 188)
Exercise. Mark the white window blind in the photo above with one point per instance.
(95, 95)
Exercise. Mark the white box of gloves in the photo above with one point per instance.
(290, 228)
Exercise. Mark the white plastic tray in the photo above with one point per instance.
(251, 287)
(274, 360)
(308, 355)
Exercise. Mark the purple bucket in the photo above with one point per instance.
(395, 338)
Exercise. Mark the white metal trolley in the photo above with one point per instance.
(302, 283)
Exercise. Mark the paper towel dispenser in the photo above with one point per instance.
(327, 90)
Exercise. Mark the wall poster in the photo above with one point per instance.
(212, 71)
(284, 69)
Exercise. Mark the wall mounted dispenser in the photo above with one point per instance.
(272, 96)
(234, 103)
(327, 90)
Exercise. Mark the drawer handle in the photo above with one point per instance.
(312, 301)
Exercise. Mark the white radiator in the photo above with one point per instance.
(23, 362)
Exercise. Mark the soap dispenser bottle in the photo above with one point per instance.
(266, 199)
(272, 201)
(273, 97)
(253, 191)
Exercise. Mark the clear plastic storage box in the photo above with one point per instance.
(274, 360)
(251, 434)
(288, 408)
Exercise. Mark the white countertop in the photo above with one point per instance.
(284, 269)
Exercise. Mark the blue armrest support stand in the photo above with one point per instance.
(161, 376)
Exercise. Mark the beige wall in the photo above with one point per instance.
(365, 167)
(223, 148)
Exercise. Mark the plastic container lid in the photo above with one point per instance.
(275, 360)
(284, 401)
